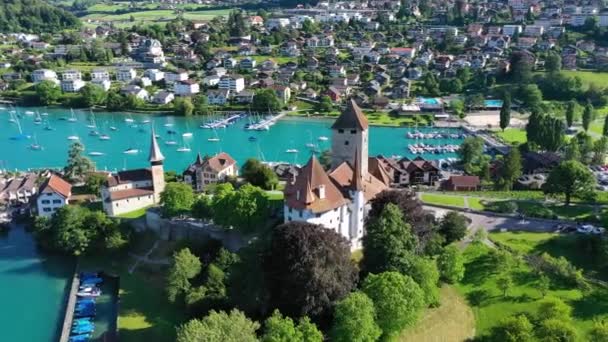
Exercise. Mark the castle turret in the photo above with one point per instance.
(350, 138)
(156, 159)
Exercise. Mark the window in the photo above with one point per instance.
(45, 201)
(46, 210)
(56, 201)
(346, 142)
(340, 131)
(353, 131)
(318, 215)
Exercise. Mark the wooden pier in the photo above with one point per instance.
(69, 309)
(265, 124)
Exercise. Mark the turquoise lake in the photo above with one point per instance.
(271, 145)
(34, 288)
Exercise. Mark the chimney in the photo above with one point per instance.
(298, 195)
(321, 190)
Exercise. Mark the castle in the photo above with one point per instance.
(131, 190)
(339, 199)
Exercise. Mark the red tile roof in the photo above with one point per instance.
(129, 193)
(351, 117)
(58, 185)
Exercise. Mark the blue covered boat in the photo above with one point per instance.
(91, 281)
(80, 338)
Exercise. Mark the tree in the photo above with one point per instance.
(545, 131)
(572, 151)
(354, 320)
(115, 101)
(599, 151)
(544, 285)
(48, 92)
(570, 111)
(587, 116)
(283, 329)
(453, 227)
(530, 95)
(308, 270)
(570, 178)
(425, 273)
(510, 169)
(219, 327)
(94, 182)
(554, 308)
(325, 104)
(176, 199)
(266, 100)
(259, 174)
(92, 95)
(201, 107)
(183, 106)
(521, 69)
(397, 299)
(388, 241)
(451, 264)
(553, 62)
(69, 232)
(504, 282)
(554, 330)
(184, 267)
(78, 165)
(472, 157)
(605, 128)
(505, 112)
(244, 209)
(514, 329)
(457, 106)
(599, 331)
(325, 159)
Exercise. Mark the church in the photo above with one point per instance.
(131, 190)
(339, 198)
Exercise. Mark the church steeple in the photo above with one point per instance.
(357, 182)
(155, 155)
(349, 138)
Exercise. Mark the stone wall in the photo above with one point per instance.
(178, 229)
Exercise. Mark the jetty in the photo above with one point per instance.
(69, 309)
(265, 124)
(222, 122)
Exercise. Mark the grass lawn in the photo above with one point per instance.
(144, 312)
(480, 288)
(571, 246)
(587, 77)
(476, 203)
(453, 320)
(597, 126)
(513, 135)
(455, 201)
(155, 15)
(134, 214)
(275, 195)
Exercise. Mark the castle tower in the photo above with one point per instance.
(350, 138)
(357, 195)
(156, 165)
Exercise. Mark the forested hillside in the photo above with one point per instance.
(33, 16)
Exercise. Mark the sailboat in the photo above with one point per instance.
(47, 126)
(12, 118)
(184, 148)
(104, 136)
(131, 150)
(187, 134)
(38, 119)
(35, 146)
(29, 112)
(129, 119)
(323, 138)
(21, 136)
(73, 137)
(310, 144)
(72, 118)
(214, 139)
(96, 154)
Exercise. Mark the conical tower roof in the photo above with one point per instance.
(155, 154)
(352, 117)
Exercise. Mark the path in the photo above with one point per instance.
(146, 259)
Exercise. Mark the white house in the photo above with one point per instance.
(211, 80)
(218, 97)
(235, 83)
(154, 75)
(104, 84)
(125, 74)
(54, 194)
(210, 170)
(44, 75)
(186, 88)
(511, 30)
(163, 97)
(100, 75)
(136, 91)
(72, 86)
(71, 75)
(177, 76)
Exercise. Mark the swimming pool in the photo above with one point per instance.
(493, 103)
(431, 101)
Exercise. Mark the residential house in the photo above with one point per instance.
(245, 96)
(283, 92)
(103, 84)
(234, 83)
(54, 193)
(163, 97)
(210, 170)
(71, 75)
(100, 75)
(218, 97)
(406, 172)
(136, 91)
(154, 75)
(176, 76)
(125, 74)
(186, 88)
(247, 63)
(72, 85)
(461, 183)
(44, 75)
(406, 52)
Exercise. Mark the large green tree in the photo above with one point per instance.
(514, 329)
(183, 106)
(308, 268)
(48, 92)
(185, 266)
(555, 330)
(505, 112)
(451, 264)
(219, 327)
(397, 298)
(570, 112)
(570, 178)
(176, 199)
(388, 241)
(259, 174)
(587, 116)
(510, 169)
(453, 226)
(78, 165)
(245, 209)
(354, 320)
(283, 329)
(92, 95)
(266, 100)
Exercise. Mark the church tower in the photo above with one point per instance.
(350, 138)
(156, 165)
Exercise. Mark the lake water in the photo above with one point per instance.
(33, 290)
(269, 145)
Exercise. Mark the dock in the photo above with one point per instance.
(266, 123)
(69, 309)
(223, 122)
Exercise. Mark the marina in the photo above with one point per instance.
(122, 138)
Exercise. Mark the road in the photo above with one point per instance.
(496, 223)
